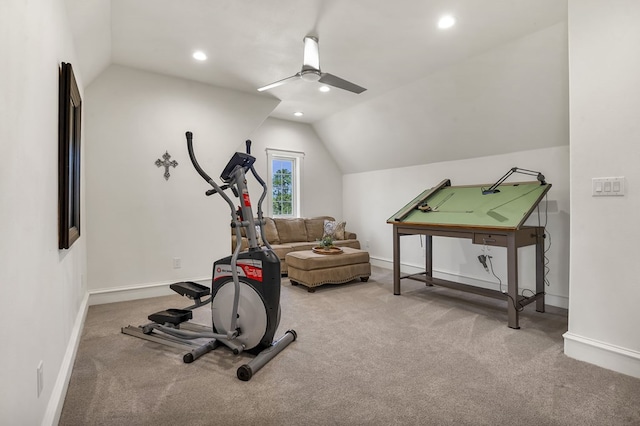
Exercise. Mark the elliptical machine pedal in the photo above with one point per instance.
(245, 289)
(171, 316)
(190, 289)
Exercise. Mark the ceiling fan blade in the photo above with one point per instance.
(340, 83)
(279, 83)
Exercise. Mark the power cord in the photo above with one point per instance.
(484, 258)
(494, 274)
(515, 304)
(547, 237)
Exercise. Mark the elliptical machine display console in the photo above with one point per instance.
(245, 287)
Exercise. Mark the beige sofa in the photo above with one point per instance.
(295, 234)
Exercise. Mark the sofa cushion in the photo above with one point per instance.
(334, 229)
(291, 230)
(270, 231)
(281, 250)
(303, 245)
(315, 227)
(244, 243)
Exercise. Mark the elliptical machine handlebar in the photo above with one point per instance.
(262, 196)
(192, 156)
(217, 189)
(213, 191)
(239, 159)
(233, 176)
(204, 174)
(253, 170)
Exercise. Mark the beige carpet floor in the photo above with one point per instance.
(363, 356)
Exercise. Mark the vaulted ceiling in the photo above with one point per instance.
(495, 82)
(381, 45)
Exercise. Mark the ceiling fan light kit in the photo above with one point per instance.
(311, 71)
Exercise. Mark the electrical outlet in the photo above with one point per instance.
(40, 377)
(366, 244)
(177, 263)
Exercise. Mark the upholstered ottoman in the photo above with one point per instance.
(312, 269)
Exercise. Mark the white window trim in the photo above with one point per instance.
(297, 178)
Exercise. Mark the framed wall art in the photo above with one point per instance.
(69, 125)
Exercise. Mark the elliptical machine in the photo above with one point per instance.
(245, 288)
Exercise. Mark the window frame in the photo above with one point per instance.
(296, 158)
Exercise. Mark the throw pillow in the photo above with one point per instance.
(334, 229)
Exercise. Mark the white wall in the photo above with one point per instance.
(43, 290)
(507, 107)
(138, 221)
(511, 98)
(605, 103)
(90, 24)
(371, 198)
(321, 180)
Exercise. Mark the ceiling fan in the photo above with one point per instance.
(311, 71)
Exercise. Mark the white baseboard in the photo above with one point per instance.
(140, 291)
(603, 354)
(59, 392)
(405, 268)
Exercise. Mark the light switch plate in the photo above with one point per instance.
(608, 186)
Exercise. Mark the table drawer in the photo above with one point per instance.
(490, 239)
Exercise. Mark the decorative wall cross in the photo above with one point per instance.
(166, 163)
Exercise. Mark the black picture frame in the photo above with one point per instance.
(69, 125)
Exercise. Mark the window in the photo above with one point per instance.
(284, 171)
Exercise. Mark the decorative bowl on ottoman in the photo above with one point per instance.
(327, 250)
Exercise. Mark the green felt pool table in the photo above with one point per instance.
(470, 212)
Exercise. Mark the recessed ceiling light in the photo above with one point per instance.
(298, 114)
(446, 21)
(199, 55)
(324, 88)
